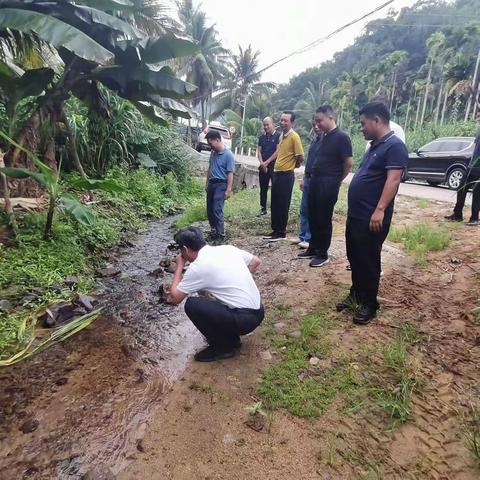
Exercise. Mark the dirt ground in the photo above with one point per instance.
(201, 431)
(199, 428)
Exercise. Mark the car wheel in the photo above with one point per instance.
(433, 183)
(454, 178)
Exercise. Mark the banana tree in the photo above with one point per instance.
(95, 46)
(49, 179)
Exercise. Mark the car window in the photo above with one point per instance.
(457, 145)
(432, 147)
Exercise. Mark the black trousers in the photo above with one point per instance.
(222, 325)
(322, 197)
(282, 187)
(264, 180)
(364, 249)
(462, 195)
(215, 202)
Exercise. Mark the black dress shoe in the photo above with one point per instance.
(364, 315)
(454, 218)
(212, 354)
(306, 254)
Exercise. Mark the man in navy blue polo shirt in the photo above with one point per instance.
(371, 198)
(266, 153)
(219, 183)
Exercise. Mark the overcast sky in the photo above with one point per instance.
(278, 28)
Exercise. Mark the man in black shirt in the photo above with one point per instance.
(266, 153)
(472, 179)
(371, 198)
(331, 165)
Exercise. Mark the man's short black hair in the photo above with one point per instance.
(190, 237)
(327, 110)
(376, 109)
(213, 135)
(289, 112)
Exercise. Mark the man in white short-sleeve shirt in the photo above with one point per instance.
(225, 274)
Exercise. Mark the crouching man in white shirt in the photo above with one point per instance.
(225, 274)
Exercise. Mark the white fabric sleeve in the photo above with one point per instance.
(192, 281)
(247, 256)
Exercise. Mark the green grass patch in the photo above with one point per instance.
(423, 203)
(294, 384)
(30, 270)
(421, 239)
(471, 430)
(242, 207)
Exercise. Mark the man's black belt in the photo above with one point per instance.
(216, 180)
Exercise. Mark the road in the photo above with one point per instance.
(417, 190)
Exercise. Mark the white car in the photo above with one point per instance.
(224, 132)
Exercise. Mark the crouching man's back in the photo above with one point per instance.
(233, 305)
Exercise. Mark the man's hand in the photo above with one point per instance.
(264, 167)
(180, 261)
(301, 185)
(376, 220)
(227, 193)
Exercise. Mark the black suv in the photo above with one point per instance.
(443, 161)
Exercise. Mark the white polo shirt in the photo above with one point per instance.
(223, 272)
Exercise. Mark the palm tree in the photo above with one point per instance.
(209, 65)
(312, 98)
(252, 129)
(242, 81)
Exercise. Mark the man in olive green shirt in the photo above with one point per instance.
(289, 155)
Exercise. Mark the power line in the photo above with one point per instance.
(323, 39)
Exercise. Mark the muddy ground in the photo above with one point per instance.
(112, 403)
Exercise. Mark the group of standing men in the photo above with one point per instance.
(370, 198)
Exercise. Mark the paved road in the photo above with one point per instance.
(417, 190)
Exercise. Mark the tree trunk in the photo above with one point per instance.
(427, 88)
(474, 83)
(202, 107)
(48, 226)
(476, 106)
(418, 111)
(444, 108)
(12, 224)
(394, 82)
(439, 102)
(408, 111)
(72, 145)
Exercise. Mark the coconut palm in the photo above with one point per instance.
(242, 81)
(209, 65)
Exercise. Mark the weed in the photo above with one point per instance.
(294, 385)
(202, 388)
(423, 203)
(472, 434)
(421, 239)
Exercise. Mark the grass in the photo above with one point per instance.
(472, 434)
(33, 272)
(293, 384)
(202, 388)
(242, 207)
(421, 239)
(423, 203)
(392, 383)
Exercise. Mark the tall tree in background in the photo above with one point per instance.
(208, 67)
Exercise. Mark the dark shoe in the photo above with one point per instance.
(454, 218)
(473, 223)
(364, 315)
(277, 237)
(262, 212)
(268, 236)
(319, 261)
(346, 304)
(306, 254)
(212, 354)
